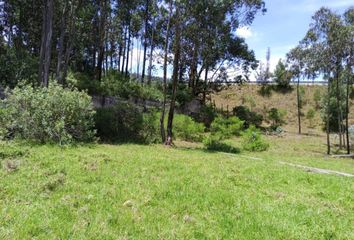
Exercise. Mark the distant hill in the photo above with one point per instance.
(250, 95)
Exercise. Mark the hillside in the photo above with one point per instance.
(249, 95)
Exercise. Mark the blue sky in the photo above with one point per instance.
(284, 25)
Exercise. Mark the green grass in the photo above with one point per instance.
(155, 192)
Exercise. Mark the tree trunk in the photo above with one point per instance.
(69, 43)
(205, 85)
(45, 55)
(151, 52)
(339, 107)
(177, 52)
(128, 50)
(163, 111)
(328, 116)
(102, 34)
(138, 47)
(193, 68)
(145, 39)
(120, 49)
(124, 50)
(347, 111)
(61, 44)
(298, 104)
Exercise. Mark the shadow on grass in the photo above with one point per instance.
(222, 147)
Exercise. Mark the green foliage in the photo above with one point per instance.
(214, 143)
(206, 115)
(282, 76)
(185, 128)
(84, 82)
(226, 127)
(253, 141)
(183, 95)
(125, 122)
(16, 65)
(249, 117)
(310, 115)
(277, 116)
(114, 84)
(52, 114)
(333, 109)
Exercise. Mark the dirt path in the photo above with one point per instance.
(306, 168)
(318, 170)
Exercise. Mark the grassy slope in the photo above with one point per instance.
(238, 95)
(174, 193)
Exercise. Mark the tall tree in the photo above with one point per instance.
(45, 52)
(166, 45)
(103, 12)
(177, 55)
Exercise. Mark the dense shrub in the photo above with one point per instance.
(114, 84)
(125, 122)
(52, 114)
(282, 76)
(252, 140)
(206, 115)
(183, 94)
(277, 117)
(117, 84)
(214, 143)
(249, 117)
(16, 65)
(185, 128)
(84, 82)
(226, 127)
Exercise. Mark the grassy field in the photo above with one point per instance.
(156, 192)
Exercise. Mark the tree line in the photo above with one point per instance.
(43, 40)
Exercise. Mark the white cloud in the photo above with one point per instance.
(245, 32)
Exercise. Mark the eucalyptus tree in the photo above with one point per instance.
(326, 44)
(298, 59)
(205, 40)
(46, 41)
(165, 62)
(348, 34)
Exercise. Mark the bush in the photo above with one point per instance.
(125, 122)
(52, 114)
(214, 143)
(277, 117)
(282, 76)
(252, 140)
(226, 127)
(249, 117)
(206, 115)
(114, 84)
(187, 129)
